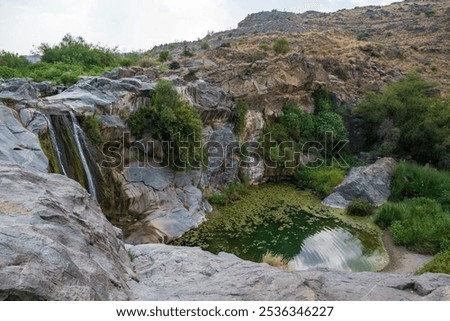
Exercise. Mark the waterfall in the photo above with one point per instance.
(80, 142)
(51, 132)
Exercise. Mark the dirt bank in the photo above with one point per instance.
(401, 260)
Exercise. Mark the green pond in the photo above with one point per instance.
(292, 223)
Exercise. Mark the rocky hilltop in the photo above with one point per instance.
(56, 186)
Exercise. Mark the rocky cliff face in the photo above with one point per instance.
(55, 243)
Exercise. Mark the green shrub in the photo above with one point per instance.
(440, 264)
(170, 119)
(264, 46)
(164, 56)
(63, 63)
(187, 52)
(12, 60)
(281, 46)
(238, 117)
(204, 45)
(218, 199)
(320, 180)
(420, 224)
(430, 13)
(412, 181)
(92, 127)
(75, 50)
(362, 36)
(231, 193)
(6, 72)
(422, 123)
(326, 122)
(360, 207)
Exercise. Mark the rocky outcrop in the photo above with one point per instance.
(55, 243)
(17, 144)
(372, 183)
(97, 95)
(170, 202)
(176, 273)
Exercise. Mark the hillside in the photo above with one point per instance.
(351, 51)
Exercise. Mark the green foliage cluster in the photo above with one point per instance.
(403, 121)
(65, 62)
(231, 193)
(360, 207)
(320, 180)
(170, 119)
(412, 181)
(187, 52)
(440, 264)
(164, 55)
(297, 126)
(281, 46)
(419, 211)
(238, 117)
(421, 224)
(204, 44)
(362, 36)
(92, 127)
(75, 50)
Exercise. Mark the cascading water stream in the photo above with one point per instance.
(80, 142)
(51, 132)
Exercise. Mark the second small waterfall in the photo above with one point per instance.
(71, 152)
(80, 142)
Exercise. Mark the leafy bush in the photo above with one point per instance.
(231, 193)
(204, 45)
(164, 56)
(187, 52)
(11, 60)
(6, 72)
(412, 181)
(362, 36)
(326, 122)
(169, 119)
(420, 224)
(75, 50)
(440, 264)
(360, 207)
(91, 126)
(239, 115)
(281, 46)
(63, 63)
(320, 180)
(430, 13)
(421, 123)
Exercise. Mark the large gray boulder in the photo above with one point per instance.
(372, 183)
(17, 144)
(171, 202)
(179, 273)
(55, 243)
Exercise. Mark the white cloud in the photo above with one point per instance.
(134, 24)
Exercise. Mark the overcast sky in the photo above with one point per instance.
(136, 24)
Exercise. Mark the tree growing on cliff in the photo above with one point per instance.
(170, 119)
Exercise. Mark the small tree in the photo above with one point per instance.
(164, 55)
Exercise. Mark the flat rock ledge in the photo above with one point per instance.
(180, 273)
